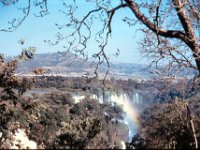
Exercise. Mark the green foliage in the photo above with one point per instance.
(165, 126)
(27, 53)
(1, 57)
(21, 41)
(54, 121)
(79, 133)
(8, 81)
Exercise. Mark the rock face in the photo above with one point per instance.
(18, 140)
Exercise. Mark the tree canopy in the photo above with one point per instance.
(170, 28)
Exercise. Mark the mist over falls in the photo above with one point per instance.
(131, 103)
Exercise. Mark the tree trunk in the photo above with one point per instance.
(196, 56)
(192, 126)
(188, 36)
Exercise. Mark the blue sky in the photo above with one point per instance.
(35, 30)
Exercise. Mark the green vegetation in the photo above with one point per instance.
(167, 126)
(171, 112)
(54, 120)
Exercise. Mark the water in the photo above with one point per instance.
(39, 91)
(126, 101)
(127, 104)
(77, 97)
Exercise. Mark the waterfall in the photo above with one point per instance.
(125, 101)
(78, 98)
(127, 105)
(136, 98)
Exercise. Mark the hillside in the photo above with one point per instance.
(66, 62)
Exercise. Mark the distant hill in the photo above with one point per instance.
(55, 62)
(66, 62)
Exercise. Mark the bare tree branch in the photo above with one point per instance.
(14, 23)
(165, 33)
(184, 19)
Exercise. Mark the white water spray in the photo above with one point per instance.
(125, 102)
